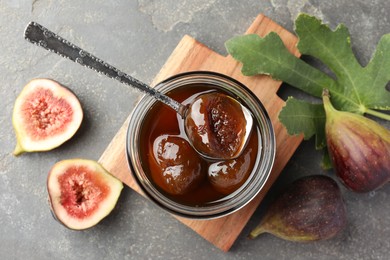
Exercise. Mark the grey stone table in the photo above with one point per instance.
(138, 36)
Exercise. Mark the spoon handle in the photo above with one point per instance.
(41, 36)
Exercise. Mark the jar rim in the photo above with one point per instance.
(253, 184)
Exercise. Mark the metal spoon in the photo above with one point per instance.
(41, 36)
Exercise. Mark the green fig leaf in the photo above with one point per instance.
(354, 88)
(306, 118)
(269, 56)
(358, 88)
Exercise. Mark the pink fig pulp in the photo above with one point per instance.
(359, 148)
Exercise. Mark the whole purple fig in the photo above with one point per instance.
(310, 209)
(359, 148)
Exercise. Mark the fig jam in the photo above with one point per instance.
(176, 169)
(217, 126)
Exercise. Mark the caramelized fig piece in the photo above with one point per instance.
(226, 176)
(359, 148)
(178, 169)
(312, 208)
(218, 126)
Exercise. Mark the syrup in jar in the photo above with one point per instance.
(174, 166)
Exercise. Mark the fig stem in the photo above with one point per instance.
(18, 149)
(257, 231)
(326, 99)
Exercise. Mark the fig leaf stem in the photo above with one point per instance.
(378, 114)
(325, 98)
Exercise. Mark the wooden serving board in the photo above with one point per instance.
(191, 55)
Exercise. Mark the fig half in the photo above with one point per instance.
(359, 148)
(310, 209)
(81, 192)
(45, 115)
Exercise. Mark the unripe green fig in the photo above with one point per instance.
(359, 148)
(310, 209)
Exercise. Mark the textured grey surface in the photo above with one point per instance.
(138, 36)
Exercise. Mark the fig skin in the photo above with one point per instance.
(310, 209)
(359, 149)
(46, 114)
(81, 193)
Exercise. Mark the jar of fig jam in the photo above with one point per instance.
(173, 175)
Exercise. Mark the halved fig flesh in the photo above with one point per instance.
(45, 115)
(81, 192)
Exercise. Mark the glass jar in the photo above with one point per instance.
(259, 174)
